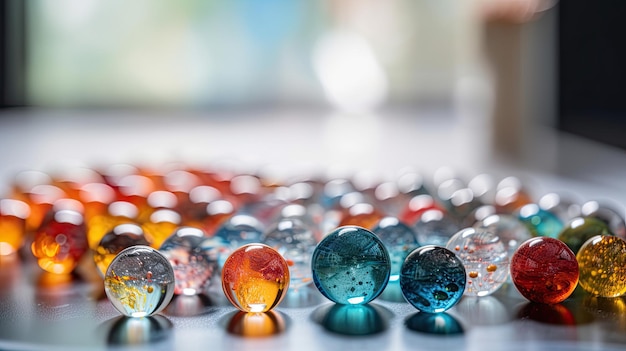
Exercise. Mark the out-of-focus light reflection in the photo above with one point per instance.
(256, 324)
(351, 76)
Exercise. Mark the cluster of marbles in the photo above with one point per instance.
(350, 237)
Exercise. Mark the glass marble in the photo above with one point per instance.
(435, 227)
(118, 212)
(399, 239)
(544, 270)
(512, 232)
(580, 229)
(485, 258)
(562, 206)
(606, 214)
(239, 230)
(61, 242)
(351, 266)
(540, 222)
(361, 214)
(510, 195)
(161, 224)
(432, 279)
(139, 281)
(119, 238)
(294, 239)
(416, 207)
(193, 258)
(13, 214)
(602, 264)
(255, 278)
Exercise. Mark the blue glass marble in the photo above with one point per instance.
(351, 266)
(540, 222)
(432, 279)
(399, 239)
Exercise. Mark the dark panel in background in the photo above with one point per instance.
(592, 71)
(12, 53)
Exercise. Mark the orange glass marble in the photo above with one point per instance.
(61, 242)
(13, 214)
(362, 215)
(255, 278)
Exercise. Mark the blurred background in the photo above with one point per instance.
(512, 75)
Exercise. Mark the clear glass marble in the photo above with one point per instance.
(485, 258)
(193, 258)
(512, 232)
(294, 239)
(139, 281)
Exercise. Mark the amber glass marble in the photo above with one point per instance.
(255, 278)
(160, 226)
(602, 262)
(13, 214)
(118, 212)
(544, 270)
(362, 215)
(61, 242)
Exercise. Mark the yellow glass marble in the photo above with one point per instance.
(602, 264)
(160, 226)
(255, 278)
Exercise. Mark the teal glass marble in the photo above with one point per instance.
(399, 239)
(432, 279)
(351, 266)
(540, 222)
(579, 230)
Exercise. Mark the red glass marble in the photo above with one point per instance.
(416, 207)
(255, 278)
(61, 242)
(544, 270)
